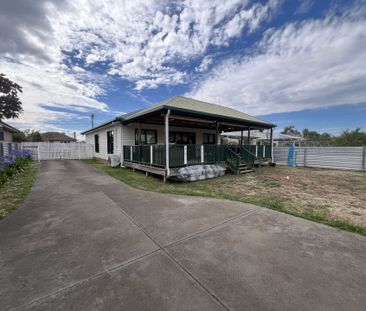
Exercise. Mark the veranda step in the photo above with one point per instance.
(245, 171)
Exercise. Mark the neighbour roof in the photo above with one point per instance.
(8, 127)
(56, 136)
(191, 106)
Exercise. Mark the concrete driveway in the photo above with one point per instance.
(84, 241)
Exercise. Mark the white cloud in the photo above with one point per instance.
(312, 64)
(147, 42)
(205, 63)
(47, 85)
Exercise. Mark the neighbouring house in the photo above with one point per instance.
(179, 138)
(260, 138)
(53, 137)
(7, 132)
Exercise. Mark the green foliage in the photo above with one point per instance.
(27, 135)
(10, 105)
(290, 130)
(351, 138)
(13, 193)
(347, 138)
(9, 171)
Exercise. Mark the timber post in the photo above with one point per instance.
(167, 143)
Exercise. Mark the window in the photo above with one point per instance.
(96, 143)
(110, 143)
(1, 134)
(209, 139)
(182, 138)
(148, 137)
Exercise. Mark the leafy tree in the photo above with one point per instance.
(290, 130)
(317, 137)
(10, 105)
(27, 135)
(351, 138)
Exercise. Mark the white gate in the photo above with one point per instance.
(59, 151)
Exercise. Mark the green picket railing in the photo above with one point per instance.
(211, 154)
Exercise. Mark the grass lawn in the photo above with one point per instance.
(15, 190)
(332, 197)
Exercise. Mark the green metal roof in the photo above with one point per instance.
(193, 106)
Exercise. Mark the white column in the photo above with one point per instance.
(151, 154)
(256, 151)
(131, 153)
(272, 159)
(202, 154)
(167, 143)
(264, 151)
(122, 147)
(185, 161)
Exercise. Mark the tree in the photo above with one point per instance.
(10, 105)
(351, 138)
(27, 135)
(290, 130)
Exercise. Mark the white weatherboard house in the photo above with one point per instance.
(179, 138)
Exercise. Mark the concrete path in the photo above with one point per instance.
(84, 241)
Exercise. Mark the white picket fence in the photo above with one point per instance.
(346, 158)
(59, 151)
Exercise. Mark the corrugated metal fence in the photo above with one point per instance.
(59, 151)
(346, 158)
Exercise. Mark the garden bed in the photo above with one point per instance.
(16, 179)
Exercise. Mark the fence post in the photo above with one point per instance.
(39, 153)
(185, 155)
(151, 154)
(305, 154)
(364, 158)
(79, 150)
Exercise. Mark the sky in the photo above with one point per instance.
(291, 62)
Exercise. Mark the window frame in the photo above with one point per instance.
(144, 136)
(208, 141)
(183, 138)
(110, 142)
(96, 143)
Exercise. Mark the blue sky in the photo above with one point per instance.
(299, 63)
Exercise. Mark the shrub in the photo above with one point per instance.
(14, 162)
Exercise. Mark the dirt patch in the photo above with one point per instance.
(341, 194)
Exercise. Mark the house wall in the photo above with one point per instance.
(130, 132)
(102, 154)
(8, 136)
(126, 135)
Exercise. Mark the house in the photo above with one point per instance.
(7, 132)
(179, 138)
(260, 138)
(53, 137)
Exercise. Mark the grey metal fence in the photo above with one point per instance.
(347, 158)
